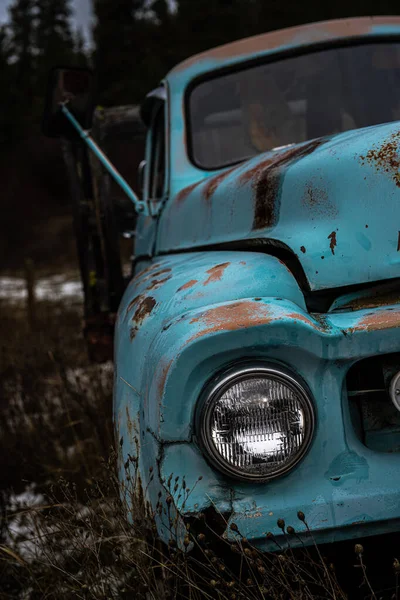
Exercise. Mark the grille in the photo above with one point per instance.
(374, 417)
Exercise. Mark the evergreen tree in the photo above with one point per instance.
(22, 19)
(54, 41)
(117, 52)
(6, 124)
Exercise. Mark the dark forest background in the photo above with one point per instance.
(135, 42)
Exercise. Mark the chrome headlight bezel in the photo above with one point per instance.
(217, 387)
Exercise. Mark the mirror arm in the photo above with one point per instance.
(140, 206)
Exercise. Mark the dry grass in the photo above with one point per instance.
(64, 531)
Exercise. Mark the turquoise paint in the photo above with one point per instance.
(196, 310)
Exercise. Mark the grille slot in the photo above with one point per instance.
(375, 419)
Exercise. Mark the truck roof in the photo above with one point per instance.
(283, 40)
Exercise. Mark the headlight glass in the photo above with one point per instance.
(256, 423)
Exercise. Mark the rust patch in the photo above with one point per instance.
(315, 196)
(145, 305)
(303, 249)
(156, 283)
(144, 309)
(378, 320)
(214, 182)
(333, 244)
(151, 275)
(183, 194)
(129, 423)
(267, 179)
(163, 378)
(187, 285)
(231, 317)
(216, 273)
(241, 315)
(316, 199)
(320, 326)
(386, 158)
(139, 276)
(132, 304)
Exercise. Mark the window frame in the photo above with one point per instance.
(276, 56)
(159, 111)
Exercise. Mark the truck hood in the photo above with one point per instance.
(333, 202)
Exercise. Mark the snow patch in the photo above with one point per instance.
(56, 287)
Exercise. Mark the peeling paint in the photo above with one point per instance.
(232, 317)
(162, 378)
(378, 320)
(216, 273)
(185, 192)
(267, 176)
(214, 182)
(333, 244)
(145, 305)
(188, 285)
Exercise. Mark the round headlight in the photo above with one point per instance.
(256, 422)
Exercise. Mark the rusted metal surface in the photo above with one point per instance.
(143, 306)
(213, 183)
(185, 192)
(285, 38)
(386, 157)
(317, 200)
(298, 197)
(378, 321)
(187, 285)
(238, 315)
(162, 377)
(333, 242)
(267, 182)
(216, 273)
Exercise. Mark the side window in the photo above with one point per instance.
(157, 156)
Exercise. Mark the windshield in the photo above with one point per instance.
(240, 114)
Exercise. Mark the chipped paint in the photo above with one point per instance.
(379, 320)
(162, 378)
(216, 273)
(187, 285)
(213, 183)
(333, 243)
(144, 307)
(185, 192)
(238, 315)
(267, 182)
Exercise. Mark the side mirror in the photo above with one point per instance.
(76, 87)
(141, 175)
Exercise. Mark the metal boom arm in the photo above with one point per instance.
(140, 206)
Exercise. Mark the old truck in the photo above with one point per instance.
(257, 340)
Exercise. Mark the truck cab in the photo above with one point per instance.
(257, 355)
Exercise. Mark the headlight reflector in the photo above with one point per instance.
(256, 422)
